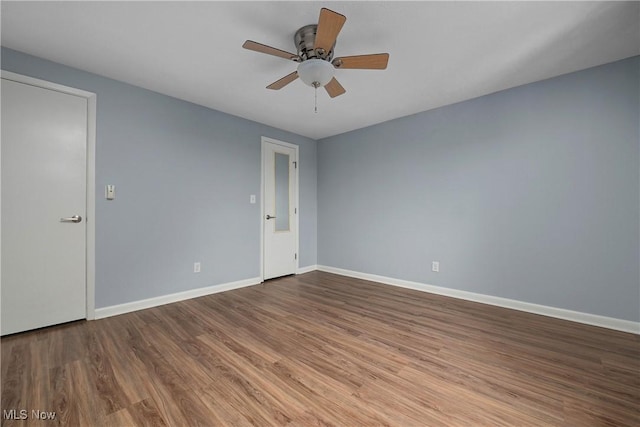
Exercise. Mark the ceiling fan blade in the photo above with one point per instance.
(279, 84)
(334, 88)
(329, 25)
(376, 61)
(263, 48)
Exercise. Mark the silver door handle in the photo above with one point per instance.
(75, 218)
(270, 217)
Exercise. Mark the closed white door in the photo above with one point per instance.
(280, 209)
(44, 164)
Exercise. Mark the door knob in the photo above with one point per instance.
(75, 218)
(270, 217)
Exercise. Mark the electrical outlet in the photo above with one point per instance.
(435, 266)
(196, 267)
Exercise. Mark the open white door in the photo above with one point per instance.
(280, 207)
(44, 206)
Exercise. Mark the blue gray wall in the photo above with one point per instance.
(183, 176)
(530, 194)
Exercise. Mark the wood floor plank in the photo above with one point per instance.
(119, 419)
(15, 379)
(110, 392)
(320, 349)
(145, 413)
(85, 399)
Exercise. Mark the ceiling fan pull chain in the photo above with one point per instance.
(316, 99)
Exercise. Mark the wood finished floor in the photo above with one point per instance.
(319, 350)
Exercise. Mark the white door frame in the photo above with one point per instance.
(265, 140)
(90, 279)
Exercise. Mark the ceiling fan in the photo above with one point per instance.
(315, 46)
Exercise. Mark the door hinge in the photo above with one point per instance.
(295, 210)
(295, 256)
(295, 165)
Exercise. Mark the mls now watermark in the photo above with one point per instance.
(23, 414)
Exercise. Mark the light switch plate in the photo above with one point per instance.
(110, 192)
(252, 199)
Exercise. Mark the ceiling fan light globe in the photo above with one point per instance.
(315, 71)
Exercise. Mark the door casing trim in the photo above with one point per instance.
(264, 141)
(90, 267)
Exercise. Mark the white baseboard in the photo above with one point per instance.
(115, 310)
(307, 269)
(560, 313)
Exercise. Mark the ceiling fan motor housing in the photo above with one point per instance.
(305, 39)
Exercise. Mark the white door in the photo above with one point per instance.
(43, 153)
(280, 209)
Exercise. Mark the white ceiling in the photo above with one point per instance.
(440, 52)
